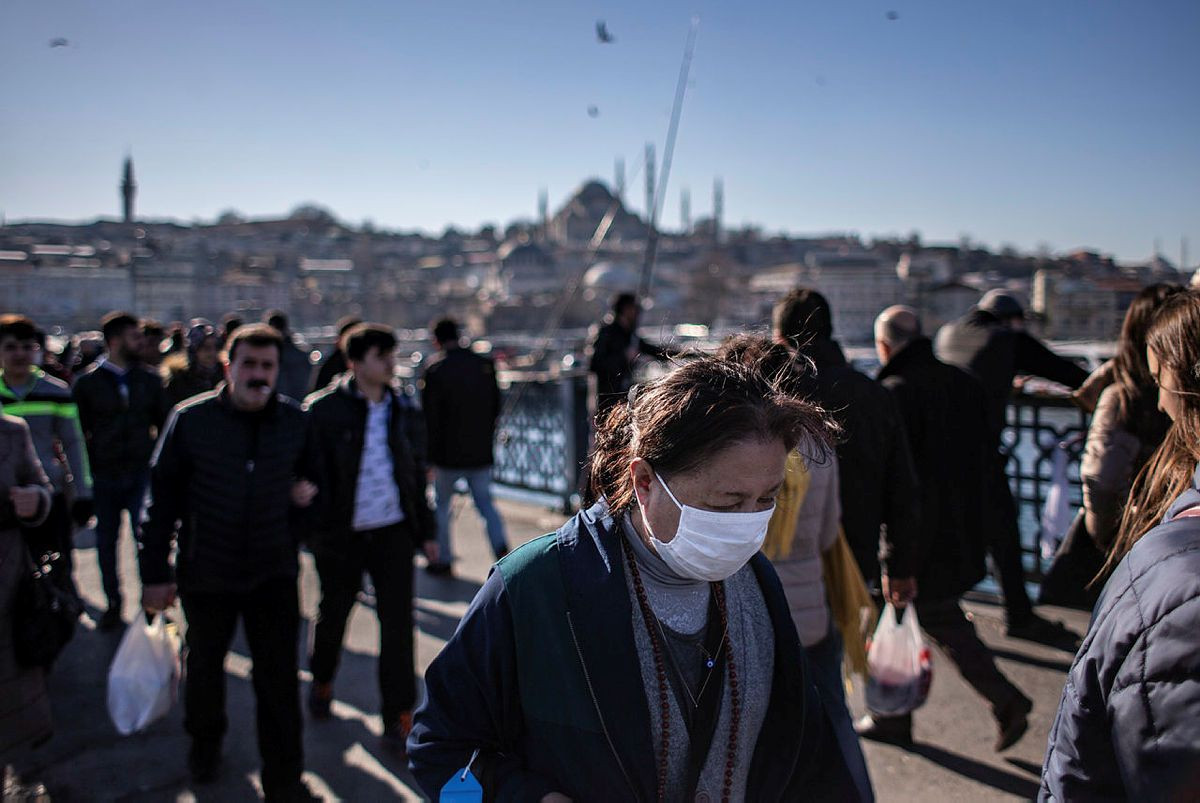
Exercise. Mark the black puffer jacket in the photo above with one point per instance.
(120, 431)
(339, 420)
(945, 417)
(875, 467)
(221, 481)
(1128, 726)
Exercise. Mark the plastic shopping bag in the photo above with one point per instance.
(1057, 513)
(899, 665)
(144, 677)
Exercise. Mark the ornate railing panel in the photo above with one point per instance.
(1037, 427)
(542, 435)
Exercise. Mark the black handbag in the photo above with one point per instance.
(1075, 564)
(46, 612)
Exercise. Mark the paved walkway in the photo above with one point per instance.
(88, 761)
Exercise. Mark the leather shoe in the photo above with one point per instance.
(110, 620)
(893, 730)
(320, 700)
(1012, 721)
(204, 761)
(1041, 630)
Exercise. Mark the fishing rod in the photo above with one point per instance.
(668, 153)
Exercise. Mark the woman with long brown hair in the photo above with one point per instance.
(646, 650)
(1128, 726)
(1126, 428)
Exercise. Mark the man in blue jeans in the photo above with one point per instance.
(462, 402)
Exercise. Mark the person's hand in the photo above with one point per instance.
(555, 797)
(899, 590)
(25, 501)
(303, 493)
(432, 550)
(81, 512)
(158, 597)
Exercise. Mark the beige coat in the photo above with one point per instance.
(24, 706)
(816, 531)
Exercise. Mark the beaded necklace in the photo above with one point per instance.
(664, 704)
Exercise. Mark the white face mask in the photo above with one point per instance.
(710, 546)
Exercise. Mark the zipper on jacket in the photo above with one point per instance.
(599, 715)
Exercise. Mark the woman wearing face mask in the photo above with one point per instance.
(1128, 726)
(646, 650)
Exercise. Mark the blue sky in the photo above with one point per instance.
(1059, 122)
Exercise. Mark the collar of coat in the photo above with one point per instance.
(918, 351)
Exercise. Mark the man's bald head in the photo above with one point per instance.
(895, 328)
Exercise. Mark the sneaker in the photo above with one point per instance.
(893, 730)
(110, 620)
(204, 762)
(1041, 630)
(320, 700)
(439, 569)
(1012, 721)
(395, 735)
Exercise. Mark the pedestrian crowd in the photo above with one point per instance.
(685, 635)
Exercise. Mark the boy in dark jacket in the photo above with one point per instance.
(121, 411)
(875, 469)
(230, 473)
(373, 514)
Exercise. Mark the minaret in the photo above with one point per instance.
(685, 210)
(544, 207)
(649, 184)
(128, 189)
(619, 178)
(718, 208)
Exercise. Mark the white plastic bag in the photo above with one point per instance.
(899, 665)
(1057, 514)
(144, 677)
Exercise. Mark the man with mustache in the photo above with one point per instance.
(230, 478)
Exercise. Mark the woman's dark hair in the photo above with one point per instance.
(360, 339)
(684, 418)
(1174, 337)
(1137, 395)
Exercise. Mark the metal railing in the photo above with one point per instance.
(1039, 426)
(543, 436)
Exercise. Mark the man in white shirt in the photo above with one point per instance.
(372, 514)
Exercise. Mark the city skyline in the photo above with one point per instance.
(1024, 125)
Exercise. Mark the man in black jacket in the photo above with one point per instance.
(229, 476)
(121, 412)
(335, 364)
(461, 401)
(373, 514)
(991, 344)
(875, 468)
(944, 411)
(614, 351)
